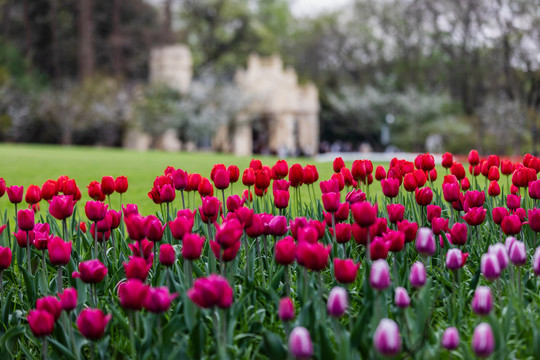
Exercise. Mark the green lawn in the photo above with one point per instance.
(34, 164)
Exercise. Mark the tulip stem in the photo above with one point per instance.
(28, 253)
(1, 286)
(95, 240)
(44, 267)
(189, 274)
(183, 201)
(249, 197)
(224, 203)
(44, 348)
(59, 278)
(287, 282)
(16, 219)
(71, 335)
(132, 334)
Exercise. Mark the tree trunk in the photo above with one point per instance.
(55, 48)
(116, 40)
(27, 32)
(167, 23)
(6, 9)
(86, 39)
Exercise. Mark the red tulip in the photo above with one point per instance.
(378, 248)
(210, 207)
(120, 184)
(48, 190)
(345, 271)
(343, 233)
(192, 246)
(296, 175)
(498, 214)
(281, 169)
(494, 189)
(25, 219)
(228, 233)
(167, 193)
(390, 187)
(59, 251)
(248, 178)
(68, 299)
(511, 225)
(137, 267)
(439, 225)
(221, 179)
(234, 173)
(50, 304)
(21, 237)
(41, 322)
(5, 258)
(132, 293)
(281, 199)
(409, 230)
(92, 323)
(211, 291)
(94, 191)
(395, 212)
(364, 213)
(534, 219)
(285, 251)
(420, 177)
(158, 299)
(107, 185)
(95, 210)
(310, 174)
(423, 196)
(447, 160)
(278, 226)
(338, 164)
(458, 234)
(205, 188)
(433, 211)
(226, 255)
(507, 167)
(450, 191)
(2, 187)
(312, 256)
(91, 271)
(513, 201)
(395, 240)
(33, 194)
(457, 170)
(15, 194)
(409, 182)
(474, 158)
(167, 256)
(475, 216)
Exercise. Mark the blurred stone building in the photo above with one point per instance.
(280, 116)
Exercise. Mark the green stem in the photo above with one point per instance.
(44, 274)
(44, 348)
(28, 264)
(132, 334)
(59, 278)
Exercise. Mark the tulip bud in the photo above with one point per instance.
(387, 339)
(396, 212)
(15, 194)
(482, 302)
(417, 276)
(489, 266)
(91, 271)
(286, 309)
(450, 338)
(535, 261)
(68, 299)
(50, 304)
(300, 345)
(41, 322)
(25, 219)
(483, 341)
(500, 253)
(158, 299)
(338, 301)
(121, 184)
(92, 323)
(425, 242)
(518, 253)
(5, 258)
(345, 271)
(107, 185)
(454, 259)
(401, 298)
(167, 255)
(379, 277)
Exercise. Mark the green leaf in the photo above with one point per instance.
(197, 340)
(272, 346)
(30, 283)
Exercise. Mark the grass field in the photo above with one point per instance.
(34, 164)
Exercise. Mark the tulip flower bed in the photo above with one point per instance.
(296, 267)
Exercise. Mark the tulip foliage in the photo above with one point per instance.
(272, 262)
